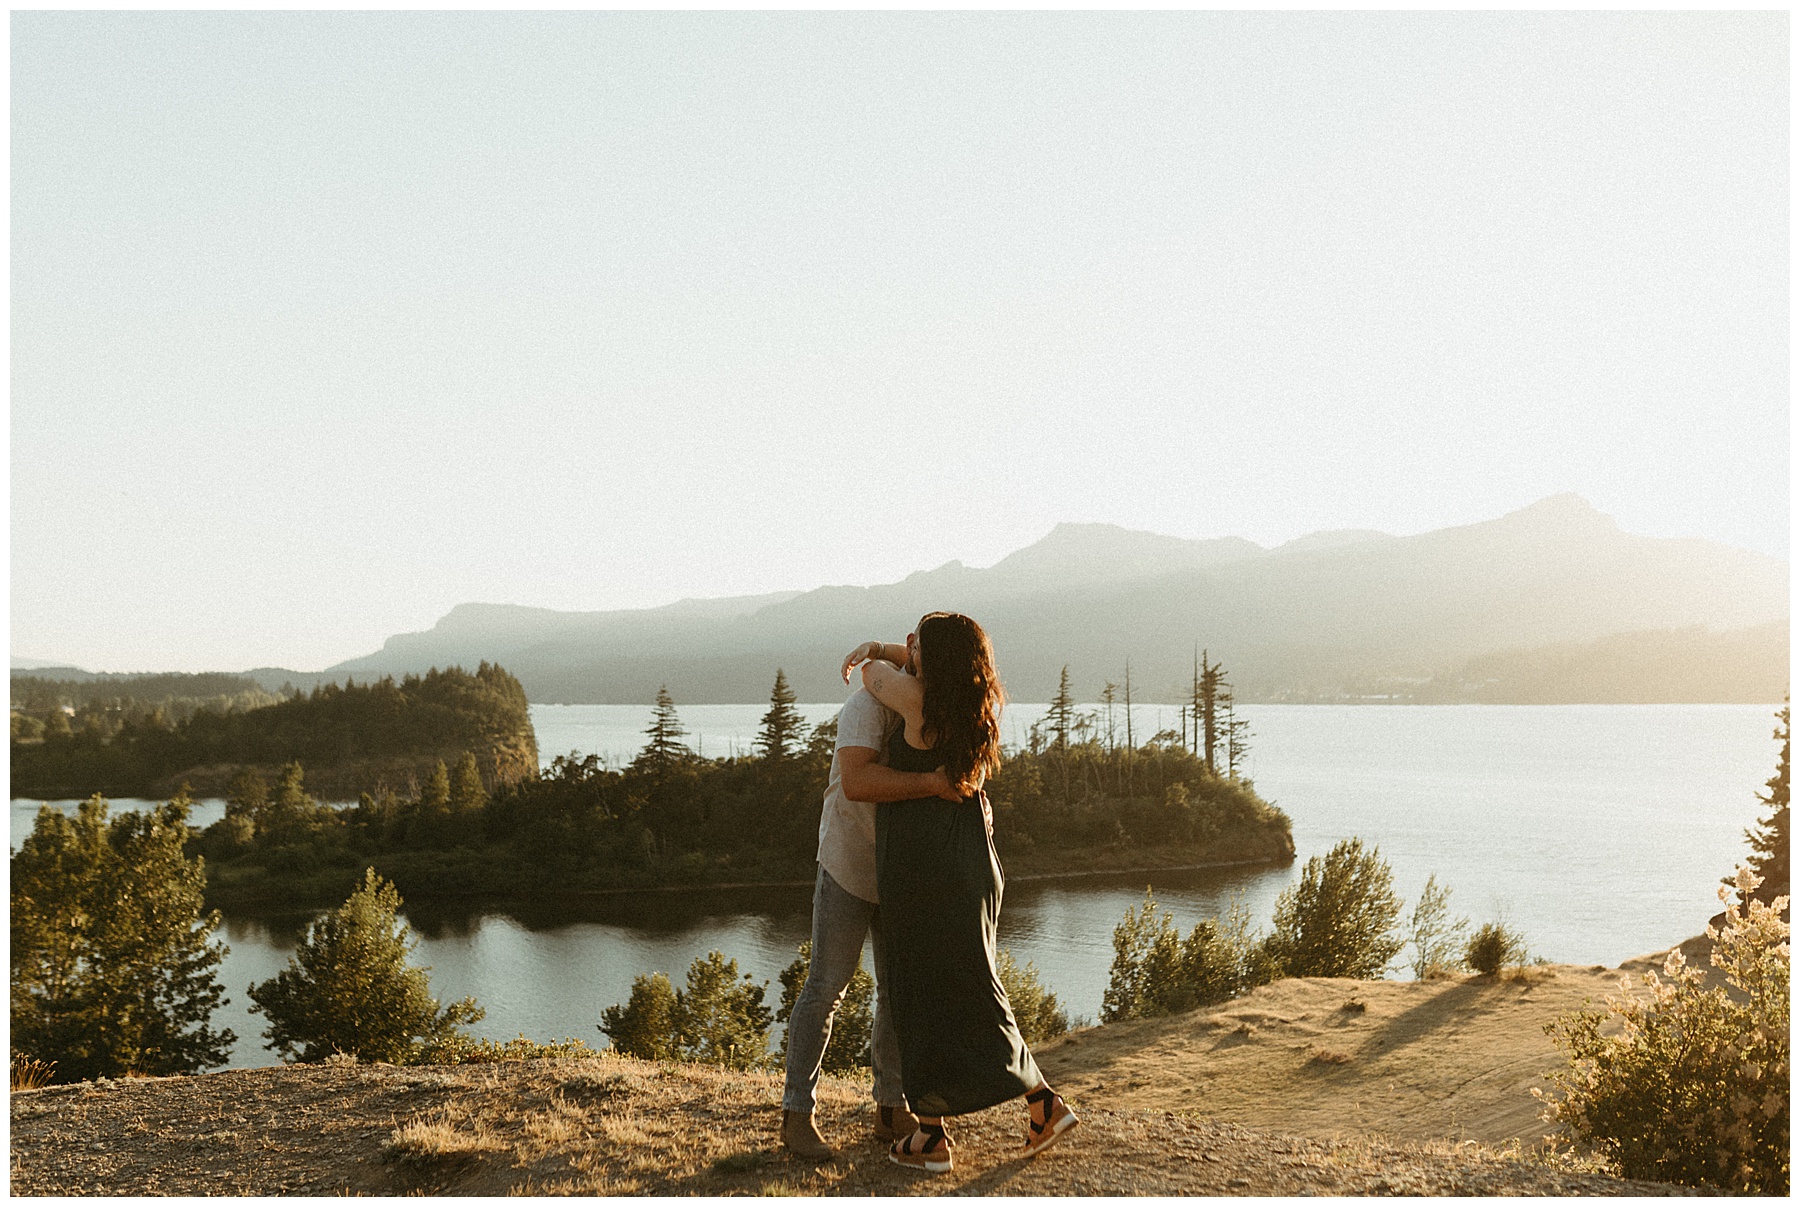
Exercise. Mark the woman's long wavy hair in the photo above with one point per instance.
(963, 697)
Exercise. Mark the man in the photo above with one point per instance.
(844, 913)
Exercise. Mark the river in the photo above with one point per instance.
(1600, 831)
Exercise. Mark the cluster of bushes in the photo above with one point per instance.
(719, 1017)
(1690, 1083)
(441, 711)
(1341, 919)
(114, 965)
(1084, 795)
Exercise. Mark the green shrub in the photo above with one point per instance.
(1035, 1009)
(348, 988)
(113, 958)
(1438, 940)
(1694, 1088)
(644, 1026)
(852, 1024)
(1155, 972)
(1493, 947)
(718, 1019)
(1338, 921)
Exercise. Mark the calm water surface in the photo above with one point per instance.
(1600, 831)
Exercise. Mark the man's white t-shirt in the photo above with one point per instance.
(847, 827)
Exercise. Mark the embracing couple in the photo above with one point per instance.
(906, 851)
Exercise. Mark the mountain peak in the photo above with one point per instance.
(1086, 553)
(1565, 510)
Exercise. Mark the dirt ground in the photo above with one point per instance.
(1302, 1087)
(610, 1126)
(1441, 1060)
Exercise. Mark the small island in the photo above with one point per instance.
(449, 802)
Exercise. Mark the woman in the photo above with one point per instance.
(940, 885)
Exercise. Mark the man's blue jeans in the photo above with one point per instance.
(841, 921)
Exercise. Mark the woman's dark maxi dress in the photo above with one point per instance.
(940, 883)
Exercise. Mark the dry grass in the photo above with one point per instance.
(615, 1127)
(436, 1142)
(29, 1073)
(1287, 1091)
(1442, 1059)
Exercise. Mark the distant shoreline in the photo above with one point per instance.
(1019, 879)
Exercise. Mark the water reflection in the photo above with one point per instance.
(546, 968)
(660, 911)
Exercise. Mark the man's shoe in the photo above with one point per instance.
(800, 1136)
(893, 1122)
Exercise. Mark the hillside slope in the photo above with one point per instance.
(1299, 621)
(611, 1126)
(1454, 1059)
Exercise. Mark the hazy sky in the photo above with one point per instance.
(324, 323)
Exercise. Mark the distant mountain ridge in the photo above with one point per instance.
(1300, 621)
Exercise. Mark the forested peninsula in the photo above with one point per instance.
(449, 800)
(149, 736)
(1072, 801)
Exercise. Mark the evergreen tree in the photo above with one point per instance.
(719, 1018)
(1237, 735)
(1769, 841)
(665, 748)
(246, 799)
(349, 988)
(783, 730)
(1130, 736)
(467, 804)
(467, 794)
(113, 960)
(1061, 717)
(1155, 972)
(427, 816)
(1208, 686)
(645, 1026)
(1039, 1016)
(1339, 920)
(291, 814)
(434, 797)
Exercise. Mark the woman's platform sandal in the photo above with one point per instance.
(927, 1149)
(1058, 1118)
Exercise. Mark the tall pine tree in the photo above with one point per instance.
(783, 730)
(113, 960)
(665, 748)
(349, 987)
(1207, 688)
(1061, 717)
(1769, 841)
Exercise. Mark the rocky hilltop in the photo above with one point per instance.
(1310, 1086)
(609, 1126)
